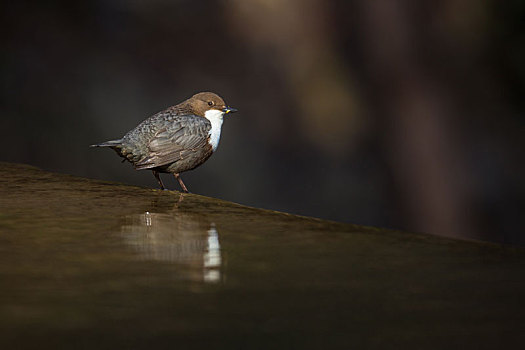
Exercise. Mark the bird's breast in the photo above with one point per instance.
(214, 135)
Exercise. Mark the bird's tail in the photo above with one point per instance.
(112, 143)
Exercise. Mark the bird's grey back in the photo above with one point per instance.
(135, 143)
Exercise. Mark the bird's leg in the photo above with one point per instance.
(157, 176)
(177, 176)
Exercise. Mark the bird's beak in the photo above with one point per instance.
(227, 110)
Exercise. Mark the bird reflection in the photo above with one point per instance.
(186, 239)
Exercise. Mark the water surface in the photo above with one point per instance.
(91, 264)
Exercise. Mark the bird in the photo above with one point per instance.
(175, 140)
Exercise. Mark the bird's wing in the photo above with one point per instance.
(187, 133)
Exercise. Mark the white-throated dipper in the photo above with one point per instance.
(177, 139)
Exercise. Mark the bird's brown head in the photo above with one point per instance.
(205, 101)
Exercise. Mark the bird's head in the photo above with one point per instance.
(208, 102)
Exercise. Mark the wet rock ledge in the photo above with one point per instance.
(93, 264)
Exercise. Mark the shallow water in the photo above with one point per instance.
(91, 264)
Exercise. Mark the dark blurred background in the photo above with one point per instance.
(401, 114)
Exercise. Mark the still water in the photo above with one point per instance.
(178, 238)
(96, 265)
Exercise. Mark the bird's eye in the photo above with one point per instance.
(210, 103)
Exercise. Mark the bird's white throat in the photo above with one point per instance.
(215, 118)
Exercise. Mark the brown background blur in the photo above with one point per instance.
(404, 114)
